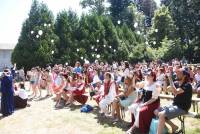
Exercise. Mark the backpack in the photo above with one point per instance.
(86, 108)
(154, 126)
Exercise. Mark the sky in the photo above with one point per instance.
(14, 12)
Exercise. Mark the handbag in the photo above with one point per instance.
(154, 127)
(86, 108)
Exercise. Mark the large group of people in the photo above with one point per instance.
(133, 87)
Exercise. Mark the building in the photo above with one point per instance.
(5, 55)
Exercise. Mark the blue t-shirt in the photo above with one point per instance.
(77, 69)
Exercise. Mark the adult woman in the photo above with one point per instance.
(124, 99)
(21, 97)
(32, 82)
(109, 94)
(58, 86)
(37, 80)
(7, 101)
(143, 110)
(76, 90)
(161, 80)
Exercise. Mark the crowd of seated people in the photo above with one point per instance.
(133, 87)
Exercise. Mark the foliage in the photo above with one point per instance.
(186, 15)
(163, 26)
(117, 32)
(33, 49)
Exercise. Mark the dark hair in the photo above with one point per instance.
(126, 64)
(153, 74)
(109, 75)
(21, 85)
(187, 75)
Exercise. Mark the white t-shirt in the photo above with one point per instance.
(154, 89)
(22, 94)
(197, 77)
(126, 72)
(160, 79)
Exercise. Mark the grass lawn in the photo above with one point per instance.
(42, 118)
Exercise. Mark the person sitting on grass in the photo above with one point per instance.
(125, 98)
(109, 94)
(181, 104)
(21, 97)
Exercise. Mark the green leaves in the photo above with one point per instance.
(37, 39)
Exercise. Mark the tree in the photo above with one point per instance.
(96, 6)
(66, 27)
(120, 12)
(186, 16)
(170, 49)
(36, 42)
(147, 6)
(163, 26)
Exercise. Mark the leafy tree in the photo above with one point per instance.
(120, 12)
(171, 49)
(186, 16)
(66, 27)
(96, 6)
(36, 42)
(163, 26)
(147, 6)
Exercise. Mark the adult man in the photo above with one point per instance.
(182, 91)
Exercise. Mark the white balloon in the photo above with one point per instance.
(156, 30)
(136, 24)
(40, 32)
(97, 41)
(104, 45)
(37, 36)
(32, 32)
(77, 50)
(118, 22)
(114, 50)
(45, 24)
(146, 43)
(92, 47)
(49, 25)
(110, 47)
(138, 32)
(98, 56)
(154, 42)
(81, 57)
(96, 49)
(52, 52)
(52, 41)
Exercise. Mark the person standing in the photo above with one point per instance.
(7, 99)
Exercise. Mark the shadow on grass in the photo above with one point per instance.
(1, 117)
(43, 98)
(75, 107)
(108, 122)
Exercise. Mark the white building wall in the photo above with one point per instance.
(5, 58)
